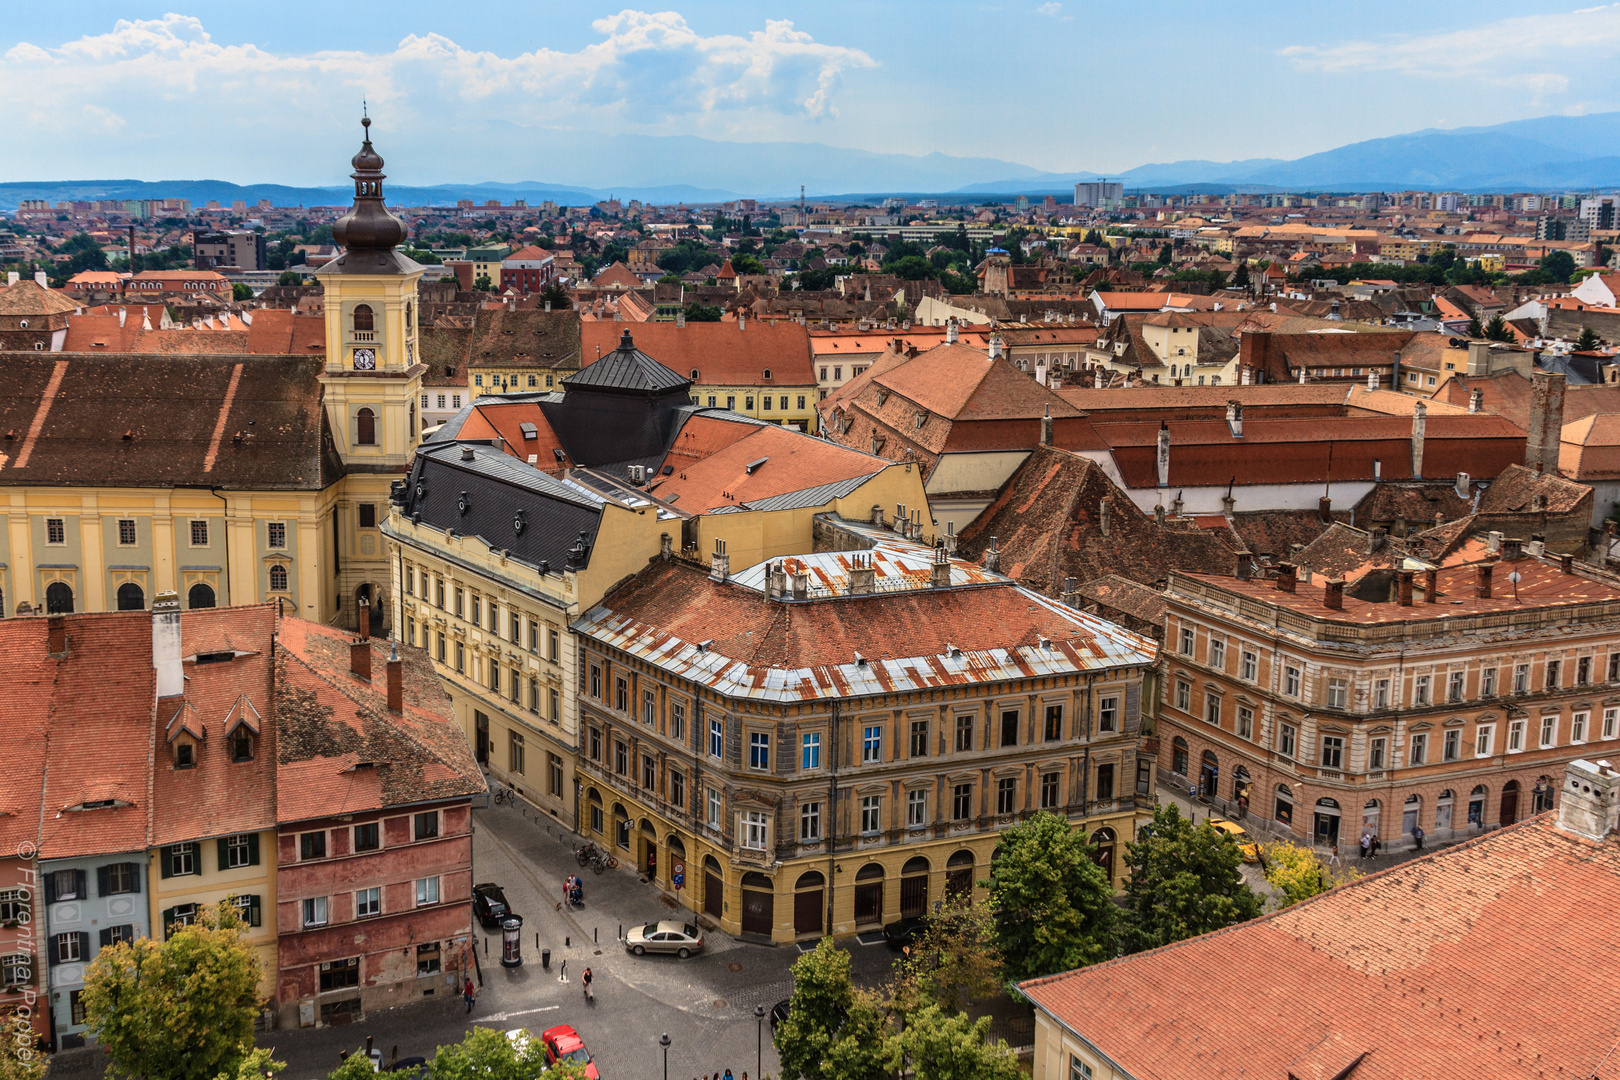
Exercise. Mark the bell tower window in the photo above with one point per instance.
(363, 320)
(365, 428)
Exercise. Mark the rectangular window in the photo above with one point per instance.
(1614, 667)
(554, 775)
(1487, 682)
(621, 694)
(1291, 680)
(1483, 736)
(515, 752)
(677, 789)
(1375, 754)
(759, 750)
(713, 817)
(1420, 750)
(1049, 790)
(554, 646)
(367, 902)
(199, 533)
(717, 738)
(1186, 641)
(534, 637)
(1212, 709)
(1006, 795)
(964, 734)
(1583, 671)
(872, 743)
(1521, 678)
(809, 821)
(427, 891)
(595, 743)
(556, 706)
(801, 401)
(428, 958)
(1451, 746)
(534, 695)
(1245, 722)
(276, 535)
(1054, 723)
(1420, 690)
(1555, 671)
(1285, 741)
(1549, 730)
(1249, 666)
(1105, 783)
(962, 802)
(753, 830)
(367, 837)
(916, 808)
(1332, 752)
(315, 911)
(677, 720)
(239, 851)
(126, 531)
(495, 676)
(1515, 736)
(1217, 654)
(1183, 696)
(1611, 722)
(426, 825)
(1108, 713)
(56, 531)
(338, 974)
(748, 403)
(621, 757)
(1338, 692)
(919, 738)
(438, 596)
(76, 1010)
(368, 515)
(871, 813)
(810, 750)
(649, 771)
(461, 657)
(1009, 727)
(649, 707)
(596, 682)
(460, 600)
(182, 859)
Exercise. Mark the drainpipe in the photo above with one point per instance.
(230, 593)
(832, 813)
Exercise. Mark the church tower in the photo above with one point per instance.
(372, 380)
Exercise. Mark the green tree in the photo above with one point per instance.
(1476, 330)
(240, 291)
(670, 279)
(1054, 905)
(1166, 253)
(356, 1067)
(20, 1058)
(1588, 340)
(823, 994)
(1297, 873)
(956, 962)
(1240, 279)
(290, 277)
(912, 268)
(1497, 329)
(1557, 265)
(825, 278)
(84, 253)
(180, 1009)
(696, 312)
(1185, 879)
(557, 296)
(257, 1064)
(487, 1054)
(937, 1046)
(746, 264)
(482, 283)
(861, 1049)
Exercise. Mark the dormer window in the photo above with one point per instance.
(185, 754)
(242, 745)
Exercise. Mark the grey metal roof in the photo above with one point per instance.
(812, 496)
(627, 370)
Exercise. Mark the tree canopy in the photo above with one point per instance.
(487, 1054)
(1588, 340)
(1297, 872)
(1054, 905)
(1186, 879)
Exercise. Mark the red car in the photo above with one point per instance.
(564, 1044)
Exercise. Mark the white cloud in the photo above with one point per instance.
(1532, 53)
(1053, 10)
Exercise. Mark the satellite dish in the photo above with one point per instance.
(1515, 577)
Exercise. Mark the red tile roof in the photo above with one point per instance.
(721, 354)
(768, 461)
(1473, 961)
(27, 684)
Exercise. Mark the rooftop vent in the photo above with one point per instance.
(753, 465)
(529, 431)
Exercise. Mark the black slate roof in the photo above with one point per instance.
(627, 370)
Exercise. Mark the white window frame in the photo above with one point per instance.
(427, 891)
(315, 911)
(809, 822)
(1515, 737)
(1338, 693)
(1245, 722)
(1108, 713)
(712, 815)
(871, 815)
(759, 751)
(1418, 749)
(1484, 737)
(1183, 695)
(809, 751)
(1333, 745)
(1377, 754)
(1549, 731)
(871, 744)
(916, 809)
(1381, 694)
(1212, 708)
(754, 831)
(1611, 721)
(1187, 640)
(717, 738)
(1287, 740)
(191, 531)
(1217, 654)
(1451, 745)
(367, 902)
(1291, 680)
(60, 526)
(1249, 666)
(1420, 690)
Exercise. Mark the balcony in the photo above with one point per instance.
(363, 337)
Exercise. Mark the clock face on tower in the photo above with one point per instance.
(365, 359)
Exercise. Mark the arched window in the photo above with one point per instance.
(812, 879)
(363, 320)
(59, 598)
(595, 799)
(959, 874)
(1410, 814)
(200, 596)
(131, 597)
(407, 314)
(365, 428)
(1476, 807)
(278, 578)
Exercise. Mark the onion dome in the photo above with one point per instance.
(368, 226)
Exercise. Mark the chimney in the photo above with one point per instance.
(548, 307)
(1176, 505)
(1324, 510)
(396, 681)
(1482, 580)
(360, 658)
(1589, 805)
(1431, 586)
(1403, 590)
(742, 319)
(1158, 515)
(1164, 454)
(41, 280)
(365, 618)
(1493, 542)
(720, 564)
(1462, 485)
(56, 636)
(680, 319)
(1287, 577)
(1419, 411)
(939, 575)
(1546, 421)
(900, 518)
(992, 558)
(1372, 378)
(1234, 418)
(171, 679)
(1536, 548)
(1566, 564)
(862, 578)
(1333, 594)
(1512, 548)
(1105, 507)
(995, 346)
(123, 314)
(799, 577)
(1476, 400)
(1245, 565)
(1071, 592)
(1228, 504)
(877, 515)
(950, 331)
(1046, 426)
(1375, 539)
(12, 277)
(1479, 358)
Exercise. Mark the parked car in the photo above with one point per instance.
(669, 936)
(1236, 834)
(489, 904)
(906, 931)
(564, 1044)
(779, 1012)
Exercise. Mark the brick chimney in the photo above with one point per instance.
(1403, 589)
(1287, 577)
(1482, 580)
(1324, 510)
(171, 678)
(1333, 594)
(1546, 421)
(1164, 452)
(360, 658)
(720, 563)
(1071, 591)
(1589, 804)
(1046, 427)
(396, 681)
(862, 578)
(1431, 586)
(1105, 507)
(1419, 422)
(1512, 548)
(1245, 565)
(365, 618)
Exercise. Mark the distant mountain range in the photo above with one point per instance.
(1550, 153)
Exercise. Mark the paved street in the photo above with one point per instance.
(706, 1003)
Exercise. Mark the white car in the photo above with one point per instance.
(669, 936)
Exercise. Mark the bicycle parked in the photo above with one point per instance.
(504, 795)
(594, 857)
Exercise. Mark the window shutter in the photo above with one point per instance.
(224, 844)
(255, 917)
(106, 937)
(102, 884)
(50, 947)
(167, 920)
(166, 864)
(134, 877)
(253, 859)
(79, 885)
(50, 888)
(84, 947)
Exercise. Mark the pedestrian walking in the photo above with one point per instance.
(1333, 856)
(1417, 836)
(1366, 844)
(728, 1074)
(467, 992)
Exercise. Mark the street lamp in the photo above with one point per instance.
(663, 1040)
(759, 1041)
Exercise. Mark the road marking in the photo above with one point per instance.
(499, 1017)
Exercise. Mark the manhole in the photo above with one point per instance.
(720, 1004)
(734, 968)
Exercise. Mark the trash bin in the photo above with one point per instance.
(545, 959)
(512, 941)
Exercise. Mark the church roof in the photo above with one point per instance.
(626, 370)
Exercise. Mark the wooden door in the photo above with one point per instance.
(483, 738)
(807, 908)
(869, 902)
(714, 894)
(914, 896)
(1510, 806)
(758, 910)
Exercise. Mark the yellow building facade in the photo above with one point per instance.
(239, 869)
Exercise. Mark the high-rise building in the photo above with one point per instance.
(1098, 193)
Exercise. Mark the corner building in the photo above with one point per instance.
(828, 742)
(1446, 697)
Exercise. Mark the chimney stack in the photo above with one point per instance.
(939, 576)
(1287, 577)
(360, 658)
(1482, 580)
(1104, 507)
(1431, 586)
(1046, 427)
(1419, 412)
(1479, 358)
(1512, 548)
(1164, 454)
(1476, 400)
(992, 558)
(1071, 592)
(1493, 542)
(950, 331)
(1245, 565)
(1546, 421)
(396, 681)
(877, 515)
(1324, 510)
(862, 578)
(171, 679)
(720, 564)
(1403, 590)
(1158, 515)
(1372, 378)
(1463, 480)
(1589, 804)
(1234, 418)
(365, 618)
(1333, 594)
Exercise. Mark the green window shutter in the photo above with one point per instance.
(255, 913)
(167, 920)
(102, 883)
(166, 862)
(80, 884)
(253, 855)
(224, 845)
(135, 877)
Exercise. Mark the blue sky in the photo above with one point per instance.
(270, 92)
